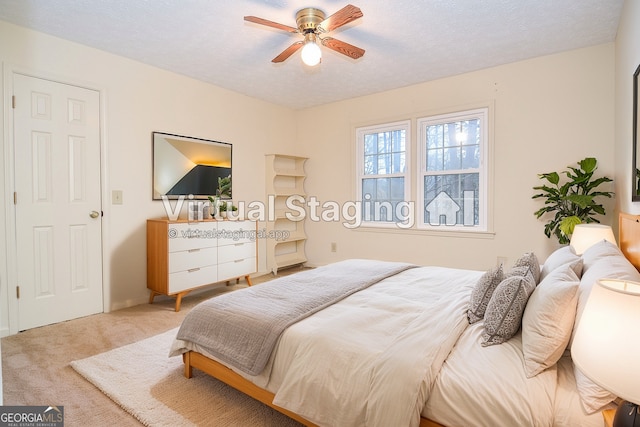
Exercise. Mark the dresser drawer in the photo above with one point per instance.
(192, 235)
(238, 268)
(193, 258)
(232, 232)
(188, 279)
(236, 252)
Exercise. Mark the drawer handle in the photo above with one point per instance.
(239, 244)
(194, 250)
(239, 260)
(193, 270)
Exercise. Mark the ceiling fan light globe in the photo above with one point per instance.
(311, 54)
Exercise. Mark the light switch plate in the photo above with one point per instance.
(116, 197)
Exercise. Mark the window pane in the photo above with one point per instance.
(383, 190)
(370, 144)
(396, 189)
(384, 164)
(384, 142)
(399, 162)
(368, 188)
(461, 140)
(451, 199)
(435, 136)
(471, 157)
(398, 140)
(380, 197)
(435, 159)
(452, 158)
(370, 165)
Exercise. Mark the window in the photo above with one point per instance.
(383, 179)
(452, 189)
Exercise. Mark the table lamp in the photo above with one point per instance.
(586, 235)
(606, 347)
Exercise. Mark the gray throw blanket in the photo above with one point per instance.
(241, 328)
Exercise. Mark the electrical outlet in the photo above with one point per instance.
(116, 197)
(334, 247)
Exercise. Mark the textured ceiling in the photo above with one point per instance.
(406, 41)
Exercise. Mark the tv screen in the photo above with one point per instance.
(184, 166)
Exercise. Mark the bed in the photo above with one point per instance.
(411, 345)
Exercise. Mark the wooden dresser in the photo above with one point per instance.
(184, 255)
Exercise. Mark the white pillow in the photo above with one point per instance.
(548, 319)
(603, 249)
(560, 257)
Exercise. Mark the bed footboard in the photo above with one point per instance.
(217, 370)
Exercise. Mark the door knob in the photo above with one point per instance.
(94, 214)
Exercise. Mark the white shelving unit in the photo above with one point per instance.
(285, 178)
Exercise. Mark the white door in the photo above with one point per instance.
(58, 204)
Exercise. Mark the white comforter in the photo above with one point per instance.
(371, 359)
(402, 346)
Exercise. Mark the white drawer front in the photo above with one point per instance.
(236, 252)
(188, 279)
(233, 269)
(185, 236)
(193, 258)
(231, 232)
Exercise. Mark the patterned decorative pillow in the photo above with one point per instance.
(560, 257)
(548, 319)
(482, 293)
(503, 317)
(529, 259)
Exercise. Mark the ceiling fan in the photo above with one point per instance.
(313, 25)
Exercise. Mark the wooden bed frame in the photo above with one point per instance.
(629, 232)
(220, 372)
(629, 240)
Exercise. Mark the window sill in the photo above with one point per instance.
(393, 229)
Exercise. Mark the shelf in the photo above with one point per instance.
(293, 237)
(285, 177)
(289, 260)
(287, 172)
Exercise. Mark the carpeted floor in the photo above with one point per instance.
(152, 387)
(35, 363)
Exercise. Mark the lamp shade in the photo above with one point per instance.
(586, 235)
(606, 347)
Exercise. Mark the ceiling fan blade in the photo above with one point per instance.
(272, 24)
(288, 52)
(342, 47)
(343, 16)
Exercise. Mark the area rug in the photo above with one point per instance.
(151, 386)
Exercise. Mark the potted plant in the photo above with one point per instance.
(226, 206)
(572, 202)
(223, 190)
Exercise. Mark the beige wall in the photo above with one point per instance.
(549, 112)
(627, 60)
(137, 100)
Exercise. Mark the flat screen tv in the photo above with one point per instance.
(184, 166)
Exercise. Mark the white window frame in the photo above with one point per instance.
(360, 175)
(481, 114)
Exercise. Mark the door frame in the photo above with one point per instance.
(8, 252)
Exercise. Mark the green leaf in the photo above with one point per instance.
(552, 177)
(567, 225)
(582, 200)
(588, 164)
